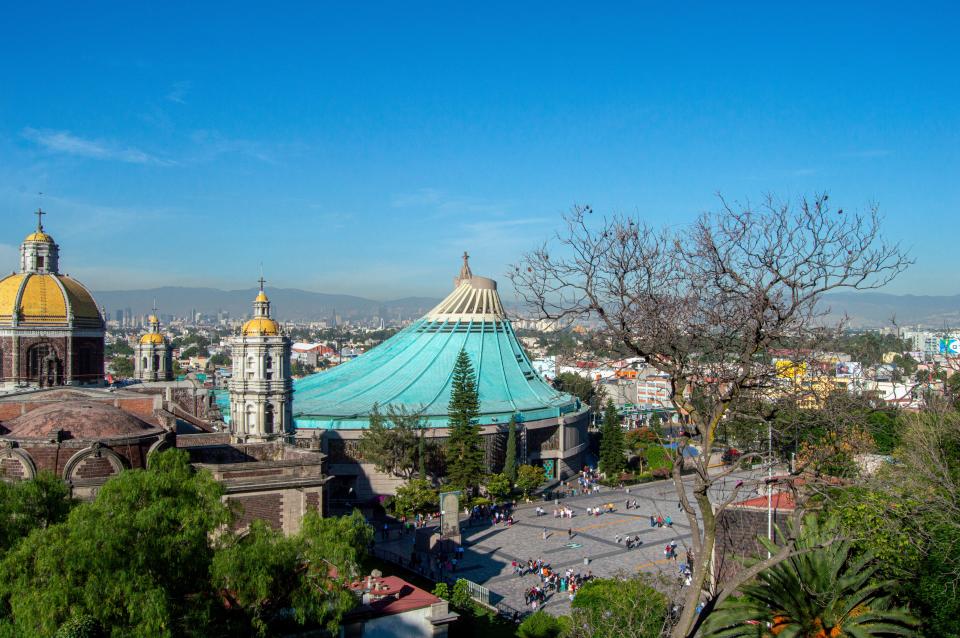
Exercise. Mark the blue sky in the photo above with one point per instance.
(361, 147)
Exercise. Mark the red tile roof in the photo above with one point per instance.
(779, 501)
(399, 596)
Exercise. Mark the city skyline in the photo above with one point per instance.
(362, 150)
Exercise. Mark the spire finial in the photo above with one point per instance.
(40, 215)
(261, 282)
(465, 272)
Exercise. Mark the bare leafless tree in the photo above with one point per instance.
(704, 304)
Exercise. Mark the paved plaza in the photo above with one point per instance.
(490, 549)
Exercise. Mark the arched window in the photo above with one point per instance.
(156, 362)
(251, 366)
(268, 419)
(268, 367)
(251, 420)
(144, 364)
(43, 365)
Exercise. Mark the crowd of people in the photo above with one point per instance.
(551, 582)
(587, 482)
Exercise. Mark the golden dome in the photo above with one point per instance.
(261, 297)
(260, 326)
(152, 319)
(46, 299)
(40, 236)
(152, 337)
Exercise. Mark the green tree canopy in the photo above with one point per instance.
(529, 478)
(510, 457)
(464, 449)
(589, 393)
(136, 559)
(618, 608)
(26, 505)
(122, 367)
(540, 625)
(269, 575)
(120, 347)
(417, 496)
(392, 442)
(612, 445)
(499, 487)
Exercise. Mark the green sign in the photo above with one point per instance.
(573, 545)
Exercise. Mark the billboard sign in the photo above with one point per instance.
(848, 369)
(449, 514)
(950, 347)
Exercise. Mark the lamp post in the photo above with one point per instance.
(769, 482)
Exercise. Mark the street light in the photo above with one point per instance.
(769, 482)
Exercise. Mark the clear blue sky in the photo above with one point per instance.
(361, 147)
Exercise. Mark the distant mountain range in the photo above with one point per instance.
(865, 309)
(288, 304)
(876, 309)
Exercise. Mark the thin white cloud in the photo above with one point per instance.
(178, 91)
(497, 225)
(67, 143)
(210, 145)
(444, 204)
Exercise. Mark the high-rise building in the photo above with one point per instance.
(261, 389)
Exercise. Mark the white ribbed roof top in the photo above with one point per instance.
(474, 299)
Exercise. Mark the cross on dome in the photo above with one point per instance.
(465, 272)
(40, 215)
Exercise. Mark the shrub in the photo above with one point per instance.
(441, 590)
(539, 625)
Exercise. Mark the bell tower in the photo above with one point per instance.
(261, 388)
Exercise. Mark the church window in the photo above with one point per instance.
(268, 419)
(143, 363)
(156, 362)
(39, 261)
(251, 418)
(88, 366)
(268, 365)
(43, 365)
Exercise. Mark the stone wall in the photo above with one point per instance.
(737, 532)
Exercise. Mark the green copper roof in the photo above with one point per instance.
(414, 367)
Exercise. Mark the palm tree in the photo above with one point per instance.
(824, 591)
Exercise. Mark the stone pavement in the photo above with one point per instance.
(489, 550)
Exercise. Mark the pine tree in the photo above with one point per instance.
(510, 463)
(611, 442)
(465, 457)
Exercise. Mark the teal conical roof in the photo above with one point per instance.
(414, 367)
